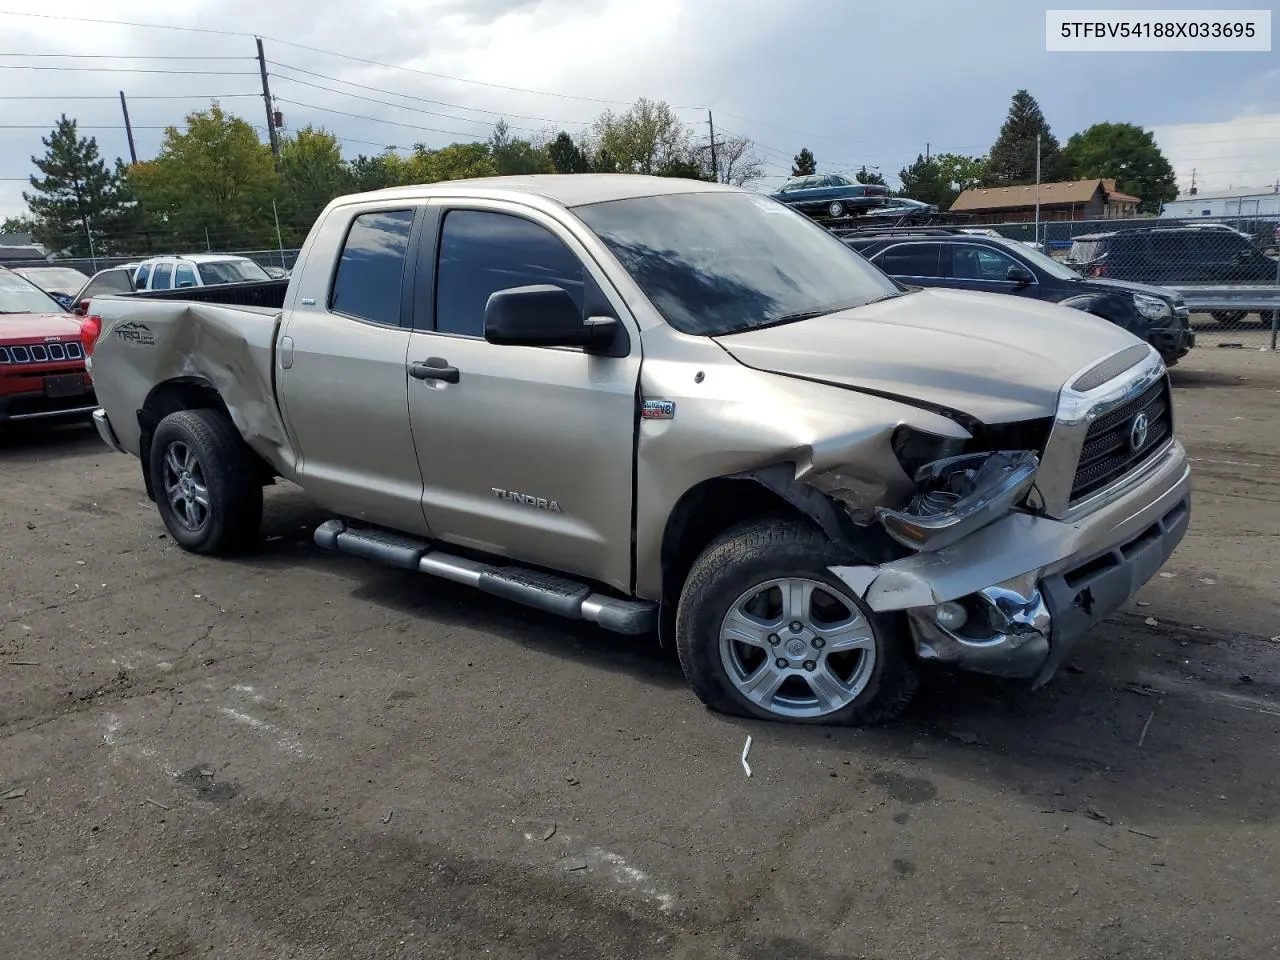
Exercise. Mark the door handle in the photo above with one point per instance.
(434, 369)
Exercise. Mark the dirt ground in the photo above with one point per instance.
(302, 755)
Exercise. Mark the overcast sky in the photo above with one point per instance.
(856, 82)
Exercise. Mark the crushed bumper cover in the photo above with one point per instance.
(103, 426)
(1047, 582)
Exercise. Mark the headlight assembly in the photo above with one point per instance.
(1153, 308)
(958, 495)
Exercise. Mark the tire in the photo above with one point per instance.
(1228, 317)
(758, 554)
(835, 208)
(203, 448)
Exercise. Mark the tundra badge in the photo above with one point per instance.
(541, 503)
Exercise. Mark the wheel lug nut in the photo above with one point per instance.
(810, 665)
(774, 639)
(818, 643)
(783, 663)
(796, 626)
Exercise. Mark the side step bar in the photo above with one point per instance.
(534, 588)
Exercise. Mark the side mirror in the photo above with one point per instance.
(543, 315)
(1020, 275)
(81, 308)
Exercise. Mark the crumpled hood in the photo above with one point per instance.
(995, 357)
(34, 327)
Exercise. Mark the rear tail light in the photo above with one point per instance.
(89, 333)
(1097, 270)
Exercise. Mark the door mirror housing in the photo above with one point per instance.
(543, 315)
(1020, 275)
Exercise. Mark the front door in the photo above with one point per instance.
(526, 452)
(979, 267)
(341, 365)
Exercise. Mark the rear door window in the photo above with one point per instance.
(163, 277)
(1173, 247)
(912, 260)
(370, 276)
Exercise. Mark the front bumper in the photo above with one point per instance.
(1172, 343)
(1047, 582)
(31, 406)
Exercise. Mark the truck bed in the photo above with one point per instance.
(253, 293)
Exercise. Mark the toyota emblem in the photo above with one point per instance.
(1138, 431)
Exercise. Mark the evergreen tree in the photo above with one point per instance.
(925, 181)
(866, 176)
(805, 165)
(77, 197)
(566, 156)
(1012, 159)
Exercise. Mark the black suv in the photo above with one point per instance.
(965, 261)
(1204, 253)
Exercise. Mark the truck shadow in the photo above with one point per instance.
(1145, 724)
(25, 440)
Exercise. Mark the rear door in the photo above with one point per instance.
(162, 276)
(918, 263)
(342, 368)
(525, 452)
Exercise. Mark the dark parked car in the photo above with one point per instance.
(1207, 253)
(831, 195)
(111, 280)
(61, 283)
(964, 261)
(896, 207)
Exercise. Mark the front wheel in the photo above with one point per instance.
(835, 208)
(1229, 317)
(763, 629)
(205, 482)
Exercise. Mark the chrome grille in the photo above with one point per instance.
(41, 353)
(1109, 451)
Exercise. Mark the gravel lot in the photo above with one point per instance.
(305, 755)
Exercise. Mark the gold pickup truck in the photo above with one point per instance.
(673, 407)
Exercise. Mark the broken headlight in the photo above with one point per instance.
(958, 495)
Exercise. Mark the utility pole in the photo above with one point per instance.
(1037, 189)
(1193, 182)
(715, 166)
(266, 99)
(128, 129)
(926, 153)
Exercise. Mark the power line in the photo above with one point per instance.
(118, 56)
(407, 96)
(202, 73)
(358, 116)
(139, 96)
(328, 53)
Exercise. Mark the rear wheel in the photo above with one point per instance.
(206, 483)
(764, 630)
(1228, 317)
(835, 208)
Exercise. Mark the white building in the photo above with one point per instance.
(1262, 202)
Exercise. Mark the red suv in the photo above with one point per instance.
(42, 369)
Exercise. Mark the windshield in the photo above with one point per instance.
(22, 296)
(1047, 263)
(53, 278)
(718, 263)
(231, 271)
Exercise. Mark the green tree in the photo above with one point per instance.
(867, 176)
(372, 173)
(805, 165)
(312, 173)
(457, 161)
(213, 180)
(515, 156)
(566, 156)
(76, 200)
(1012, 158)
(648, 138)
(1126, 153)
(960, 172)
(18, 224)
(923, 181)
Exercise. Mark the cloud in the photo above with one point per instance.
(1242, 152)
(857, 84)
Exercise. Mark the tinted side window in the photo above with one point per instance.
(111, 281)
(370, 273)
(979, 263)
(1173, 247)
(144, 271)
(911, 260)
(163, 274)
(481, 253)
(184, 275)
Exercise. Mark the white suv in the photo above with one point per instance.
(196, 270)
